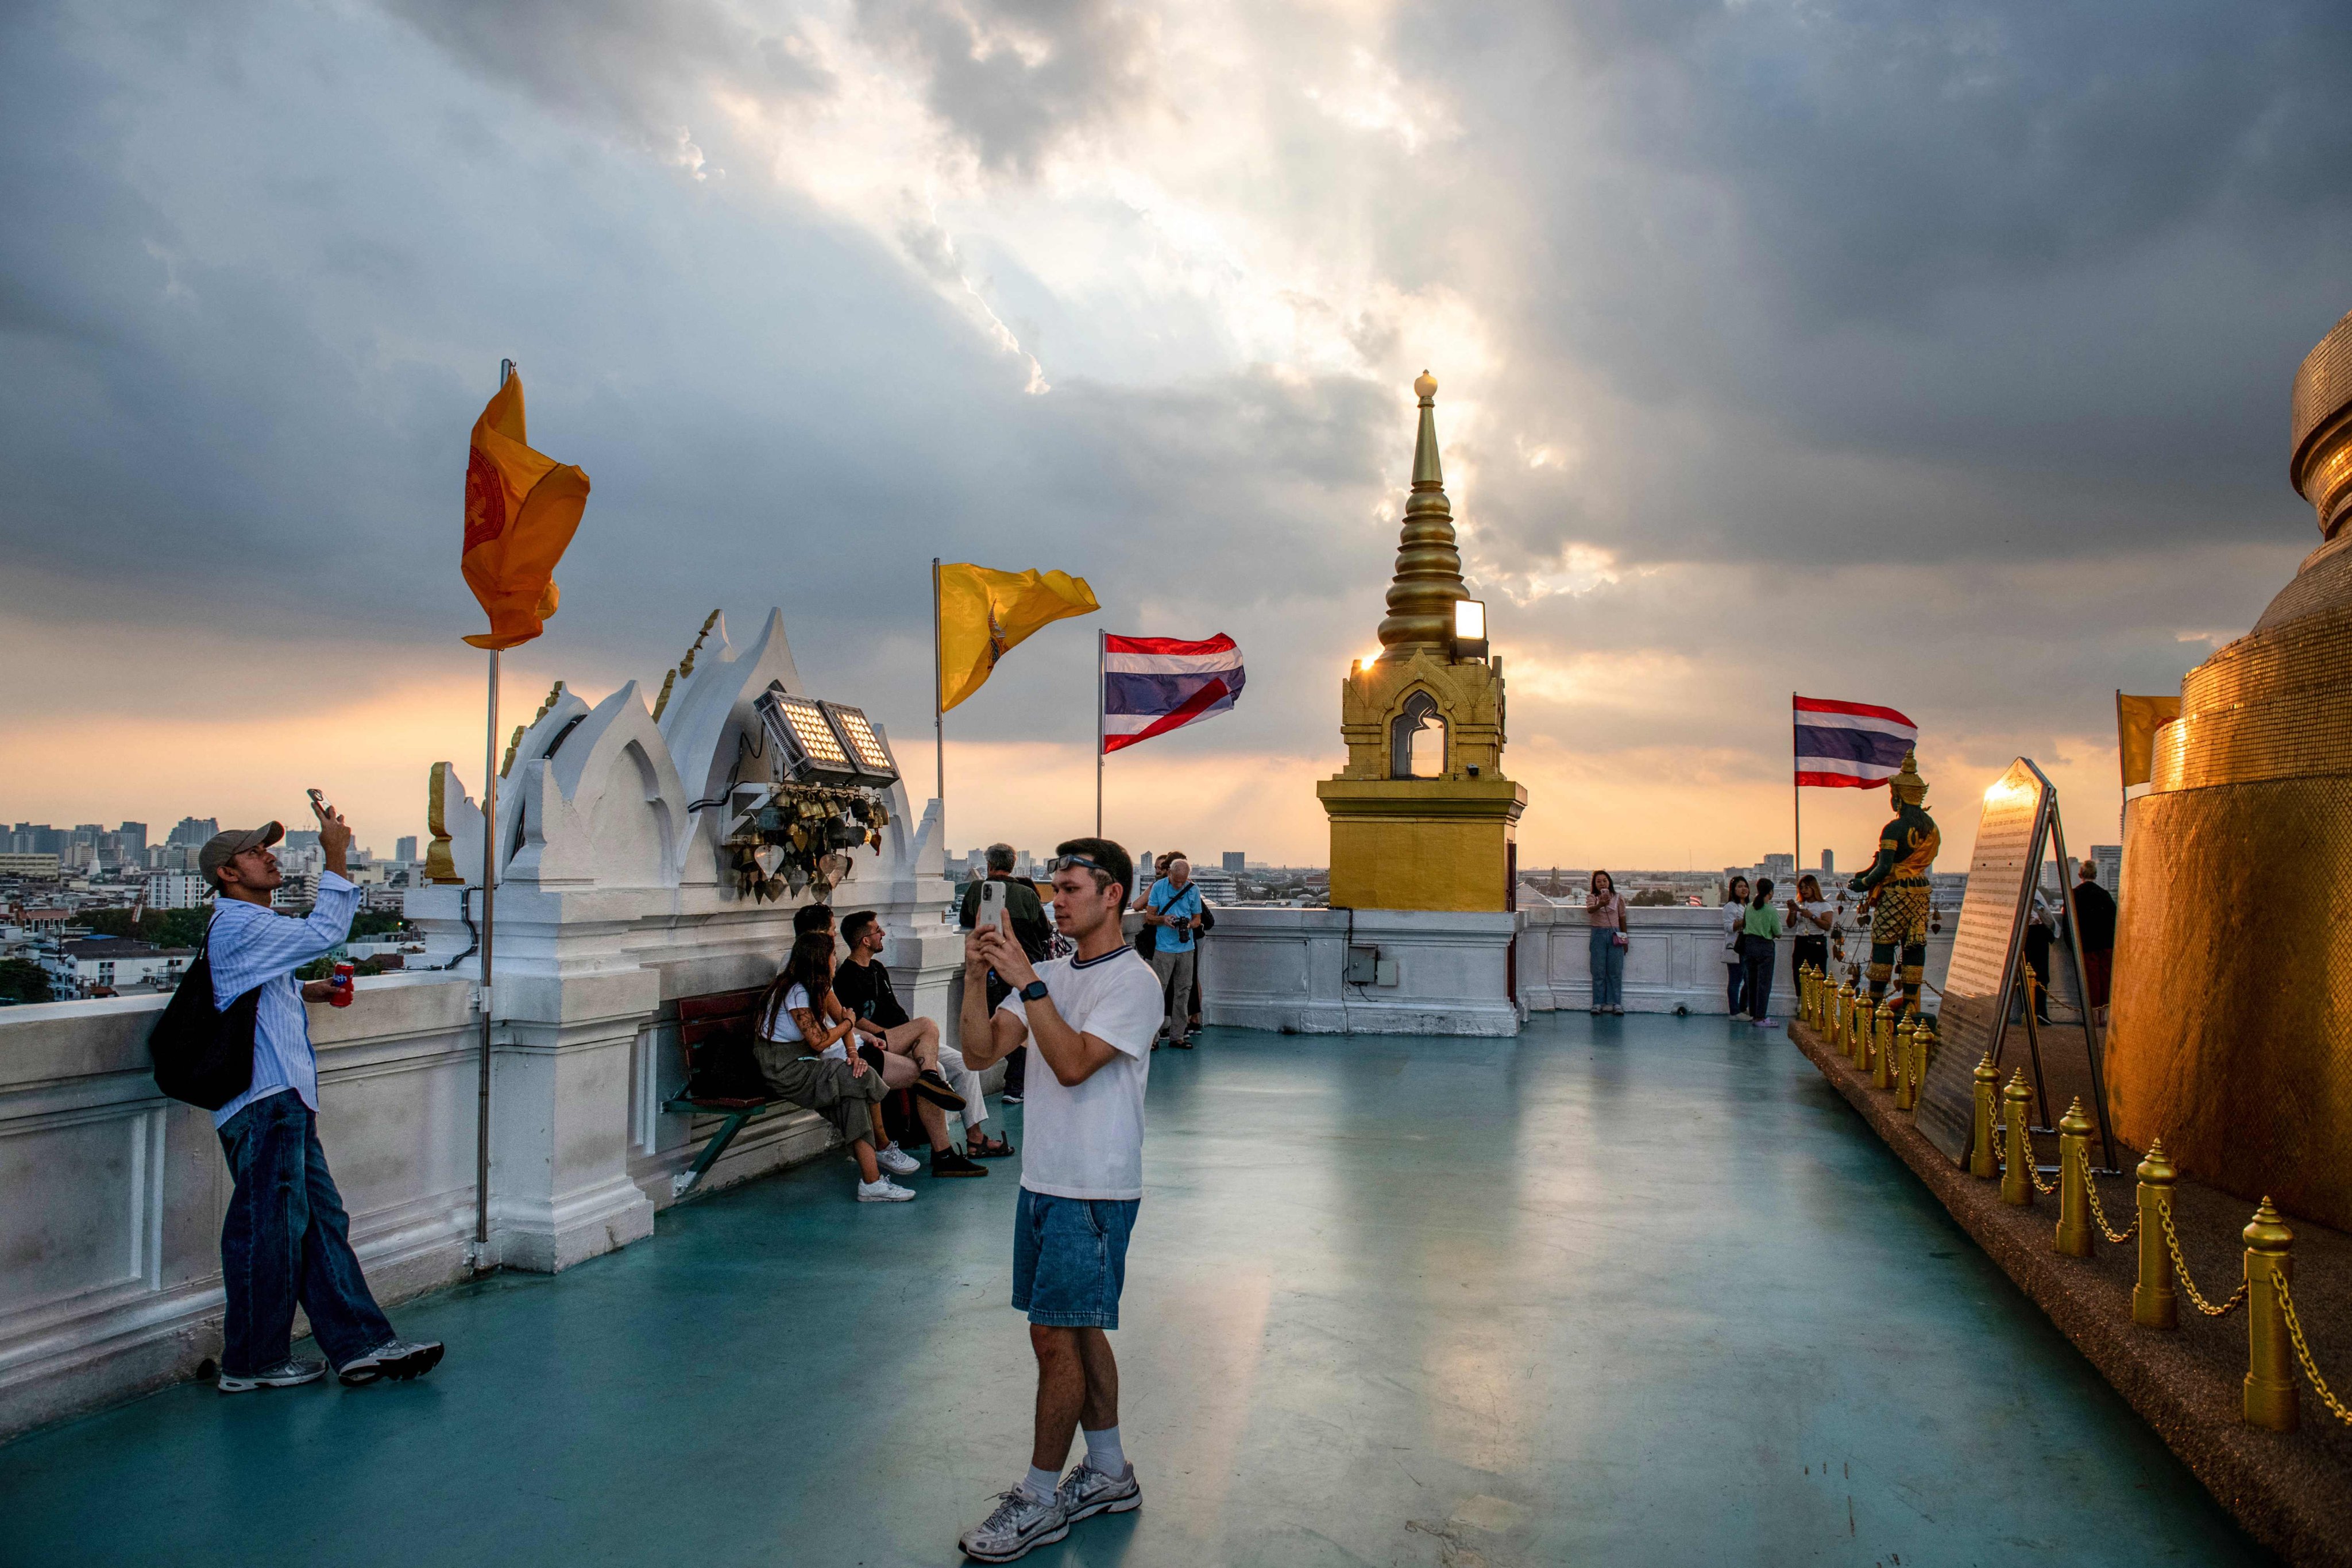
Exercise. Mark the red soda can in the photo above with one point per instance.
(342, 996)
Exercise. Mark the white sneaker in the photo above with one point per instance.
(1087, 1492)
(884, 1191)
(897, 1160)
(1019, 1526)
(1739, 1018)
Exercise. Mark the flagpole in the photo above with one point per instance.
(481, 1248)
(1102, 700)
(939, 709)
(1796, 793)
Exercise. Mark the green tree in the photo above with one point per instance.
(21, 980)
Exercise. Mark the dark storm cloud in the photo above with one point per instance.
(2022, 260)
(1012, 76)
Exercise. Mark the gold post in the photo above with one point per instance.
(1922, 1039)
(1907, 1087)
(2017, 1148)
(1845, 1020)
(2270, 1368)
(2153, 1306)
(1982, 1162)
(2075, 1238)
(1882, 1070)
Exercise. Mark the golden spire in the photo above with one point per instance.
(1429, 568)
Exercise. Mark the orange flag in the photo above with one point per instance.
(522, 509)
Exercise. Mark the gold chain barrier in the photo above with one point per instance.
(2098, 1210)
(2303, 1349)
(2180, 1272)
(1893, 1049)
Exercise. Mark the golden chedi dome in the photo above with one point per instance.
(2231, 1036)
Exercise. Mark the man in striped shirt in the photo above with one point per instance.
(286, 1238)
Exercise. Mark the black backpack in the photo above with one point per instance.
(204, 1054)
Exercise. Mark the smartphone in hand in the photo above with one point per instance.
(991, 904)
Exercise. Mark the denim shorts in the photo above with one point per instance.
(1069, 1259)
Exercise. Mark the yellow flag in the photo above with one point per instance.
(2136, 721)
(984, 612)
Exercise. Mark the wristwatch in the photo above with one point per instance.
(1034, 991)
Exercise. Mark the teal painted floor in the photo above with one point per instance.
(1638, 1290)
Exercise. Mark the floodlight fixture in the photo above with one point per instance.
(1469, 629)
(808, 749)
(867, 749)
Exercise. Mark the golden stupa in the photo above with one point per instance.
(1421, 817)
(2232, 1033)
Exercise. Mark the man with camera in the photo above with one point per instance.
(286, 1239)
(1091, 1017)
(1174, 909)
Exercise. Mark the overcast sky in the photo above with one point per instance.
(1932, 356)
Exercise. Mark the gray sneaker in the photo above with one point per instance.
(291, 1373)
(1019, 1526)
(1087, 1492)
(396, 1358)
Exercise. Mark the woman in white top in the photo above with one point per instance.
(1810, 918)
(1735, 915)
(794, 1015)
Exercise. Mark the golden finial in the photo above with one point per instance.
(516, 740)
(553, 692)
(687, 666)
(663, 701)
(1429, 567)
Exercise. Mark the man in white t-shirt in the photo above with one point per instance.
(1091, 1017)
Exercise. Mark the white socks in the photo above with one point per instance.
(1103, 1451)
(1041, 1484)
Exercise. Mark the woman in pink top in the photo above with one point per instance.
(1604, 912)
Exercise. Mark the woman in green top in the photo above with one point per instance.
(1759, 929)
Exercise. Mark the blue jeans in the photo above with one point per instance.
(1608, 969)
(1069, 1259)
(287, 1239)
(1736, 985)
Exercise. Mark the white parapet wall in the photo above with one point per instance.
(613, 905)
(1286, 969)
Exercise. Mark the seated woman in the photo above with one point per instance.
(806, 1059)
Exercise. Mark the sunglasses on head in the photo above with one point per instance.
(1061, 863)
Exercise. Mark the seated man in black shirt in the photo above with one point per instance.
(862, 986)
(1026, 914)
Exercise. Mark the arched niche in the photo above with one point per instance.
(1417, 739)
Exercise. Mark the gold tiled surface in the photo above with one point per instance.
(2323, 582)
(2274, 704)
(2231, 1032)
(2322, 385)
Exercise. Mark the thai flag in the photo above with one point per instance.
(1153, 685)
(1850, 745)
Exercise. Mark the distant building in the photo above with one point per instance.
(1217, 887)
(1781, 869)
(302, 838)
(1236, 861)
(194, 831)
(2108, 860)
(88, 962)
(177, 890)
(404, 848)
(39, 867)
(1829, 863)
(299, 890)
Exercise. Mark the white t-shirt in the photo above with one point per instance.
(1087, 1142)
(786, 1029)
(1806, 927)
